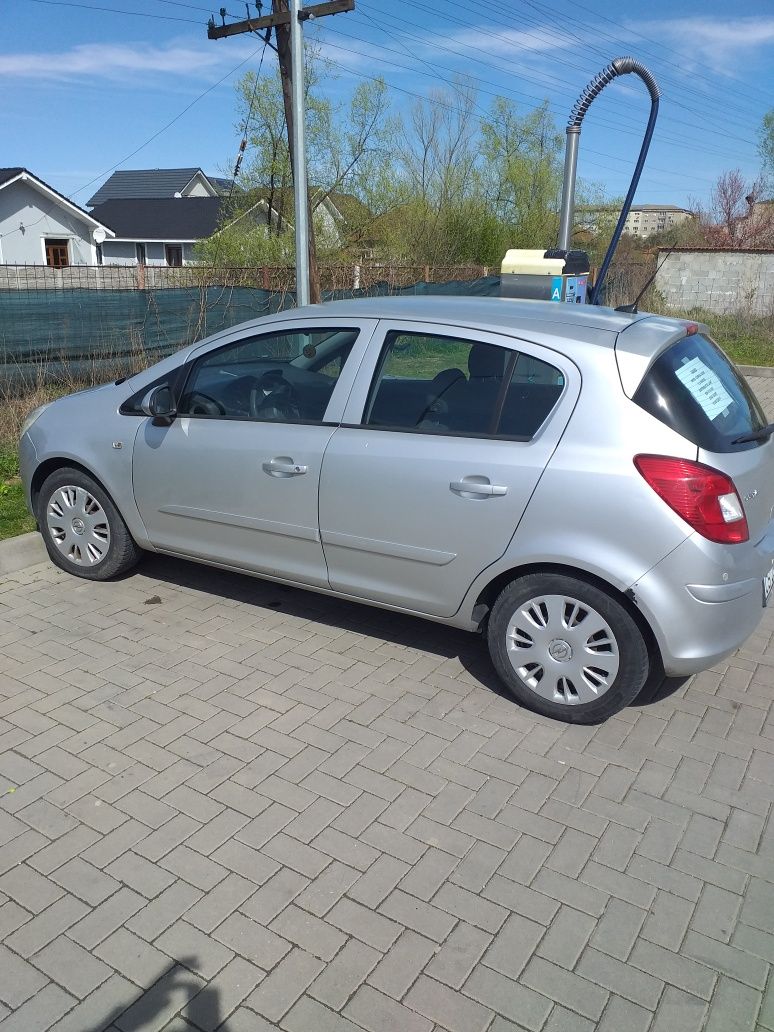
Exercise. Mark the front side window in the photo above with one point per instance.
(446, 385)
(284, 377)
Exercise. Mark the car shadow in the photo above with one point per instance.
(658, 688)
(413, 632)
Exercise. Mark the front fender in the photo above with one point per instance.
(88, 432)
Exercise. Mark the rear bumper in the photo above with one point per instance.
(699, 618)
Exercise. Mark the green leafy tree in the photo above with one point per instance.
(524, 171)
(348, 152)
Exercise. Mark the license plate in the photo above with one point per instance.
(768, 584)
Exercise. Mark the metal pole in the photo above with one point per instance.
(568, 188)
(299, 155)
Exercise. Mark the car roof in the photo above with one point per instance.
(494, 313)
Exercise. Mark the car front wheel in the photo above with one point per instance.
(83, 531)
(566, 648)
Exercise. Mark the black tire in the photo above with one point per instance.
(626, 656)
(106, 547)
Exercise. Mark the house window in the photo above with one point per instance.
(174, 254)
(100, 257)
(140, 253)
(57, 253)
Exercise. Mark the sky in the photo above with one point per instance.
(87, 90)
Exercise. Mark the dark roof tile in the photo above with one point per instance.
(9, 173)
(145, 182)
(161, 218)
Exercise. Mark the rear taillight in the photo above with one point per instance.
(704, 497)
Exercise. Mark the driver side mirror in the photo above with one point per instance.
(160, 404)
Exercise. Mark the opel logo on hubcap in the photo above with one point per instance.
(78, 526)
(560, 650)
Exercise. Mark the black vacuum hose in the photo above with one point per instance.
(621, 66)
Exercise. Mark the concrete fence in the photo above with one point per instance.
(719, 281)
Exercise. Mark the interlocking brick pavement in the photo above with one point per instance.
(250, 808)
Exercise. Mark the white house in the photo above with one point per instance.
(157, 230)
(39, 226)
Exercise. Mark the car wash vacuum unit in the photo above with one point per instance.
(561, 274)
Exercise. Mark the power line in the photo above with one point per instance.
(667, 77)
(191, 7)
(195, 7)
(243, 142)
(563, 61)
(172, 121)
(150, 139)
(453, 107)
(504, 91)
(115, 10)
(435, 75)
(680, 142)
(671, 50)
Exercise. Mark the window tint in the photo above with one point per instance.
(534, 390)
(286, 377)
(695, 390)
(447, 385)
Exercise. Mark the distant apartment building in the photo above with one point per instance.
(643, 220)
(647, 219)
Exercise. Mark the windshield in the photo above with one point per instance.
(695, 389)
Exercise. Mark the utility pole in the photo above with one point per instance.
(287, 18)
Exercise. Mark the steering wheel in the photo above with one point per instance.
(204, 405)
(273, 398)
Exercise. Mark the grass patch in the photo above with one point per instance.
(747, 340)
(14, 518)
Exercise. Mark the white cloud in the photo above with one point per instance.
(119, 62)
(720, 43)
(503, 42)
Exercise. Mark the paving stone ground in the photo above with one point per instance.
(230, 805)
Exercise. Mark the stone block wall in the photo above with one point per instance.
(718, 281)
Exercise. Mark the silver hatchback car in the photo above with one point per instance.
(594, 490)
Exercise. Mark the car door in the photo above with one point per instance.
(234, 478)
(425, 482)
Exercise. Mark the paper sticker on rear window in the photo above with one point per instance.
(705, 387)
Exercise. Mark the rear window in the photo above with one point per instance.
(695, 390)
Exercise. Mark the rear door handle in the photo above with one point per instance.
(475, 487)
(283, 466)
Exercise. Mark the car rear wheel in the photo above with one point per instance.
(566, 648)
(83, 531)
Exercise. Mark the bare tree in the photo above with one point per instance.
(737, 216)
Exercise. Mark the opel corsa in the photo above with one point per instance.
(591, 489)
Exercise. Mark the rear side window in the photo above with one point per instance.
(427, 383)
(695, 390)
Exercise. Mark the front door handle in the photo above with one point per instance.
(283, 466)
(482, 489)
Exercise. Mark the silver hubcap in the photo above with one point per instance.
(78, 525)
(562, 649)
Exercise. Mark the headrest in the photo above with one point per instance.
(486, 360)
